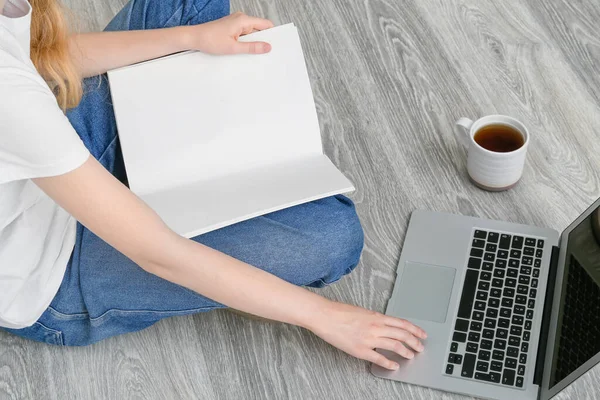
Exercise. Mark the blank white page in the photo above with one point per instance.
(194, 117)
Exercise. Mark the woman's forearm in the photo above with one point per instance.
(236, 284)
(96, 53)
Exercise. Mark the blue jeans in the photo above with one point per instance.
(104, 293)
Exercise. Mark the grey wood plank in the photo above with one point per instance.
(389, 79)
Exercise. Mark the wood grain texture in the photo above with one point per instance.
(389, 79)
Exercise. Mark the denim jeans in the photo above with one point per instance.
(104, 293)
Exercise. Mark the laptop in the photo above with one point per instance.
(511, 311)
(209, 141)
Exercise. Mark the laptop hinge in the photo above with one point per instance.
(545, 328)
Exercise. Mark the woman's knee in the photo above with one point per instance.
(338, 246)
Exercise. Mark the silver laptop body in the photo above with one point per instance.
(454, 279)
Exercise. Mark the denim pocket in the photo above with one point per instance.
(39, 333)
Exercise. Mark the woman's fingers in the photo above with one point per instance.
(379, 359)
(407, 326)
(251, 48)
(259, 23)
(401, 335)
(395, 346)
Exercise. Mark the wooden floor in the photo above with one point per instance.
(390, 78)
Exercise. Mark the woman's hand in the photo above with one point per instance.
(221, 36)
(358, 331)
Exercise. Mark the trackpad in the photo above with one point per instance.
(424, 292)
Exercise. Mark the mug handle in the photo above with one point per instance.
(463, 134)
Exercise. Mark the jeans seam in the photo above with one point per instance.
(111, 311)
(58, 335)
(107, 147)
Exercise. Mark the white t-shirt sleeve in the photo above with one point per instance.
(36, 138)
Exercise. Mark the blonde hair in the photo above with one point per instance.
(50, 52)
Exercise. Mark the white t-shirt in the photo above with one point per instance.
(36, 140)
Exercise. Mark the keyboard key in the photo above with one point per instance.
(481, 295)
(509, 292)
(524, 280)
(457, 358)
(533, 293)
(537, 263)
(527, 261)
(516, 330)
(512, 352)
(478, 315)
(472, 347)
(454, 347)
(481, 376)
(536, 273)
(468, 294)
(489, 257)
(508, 377)
(496, 366)
(514, 341)
(517, 242)
(513, 263)
(528, 325)
(459, 337)
(526, 336)
(451, 358)
(499, 344)
(480, 305)
(505, 312)
(529, 242)
(491, 247)
(512, 272)
(518, 309)
(515, 253)
(476, 326)
(494, 302)
(506, 302)
(474, 336)
(486, 276)
(531, 303)
(511, 282)
(487, 266)
(539, 253)
(468, 366)
(524, 347)
(517, 319)
(529, 314)
(486, 344)
(492, 313)
(540, 243)
(462, 325)
(478, 243)
(495, 377)
(500, 263)
(528, 251)
(479, 234)
(521, 370)
(534, 283)
(525, 270)
(482, 366)
(522, 289)
(493, 237)
(499, 273)
(484, 355)
(488, 334)
(502, 254)
(497, 282)
(519, 381)
(474, 263)
(490, 323)
(510, 363)
(449, 369)
(520, 299)
(503, 323)
(501, 333)
(504, 241)
(475, 252)
(498, 355)
(495, 292)
(523, 359)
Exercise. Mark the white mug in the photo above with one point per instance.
(487, 169)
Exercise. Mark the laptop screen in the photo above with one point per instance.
(578, 328)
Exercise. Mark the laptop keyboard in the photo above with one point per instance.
(492, 331)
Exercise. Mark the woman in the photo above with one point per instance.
(120, 269)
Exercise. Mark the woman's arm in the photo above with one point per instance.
(96, 53)
(110, 210)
